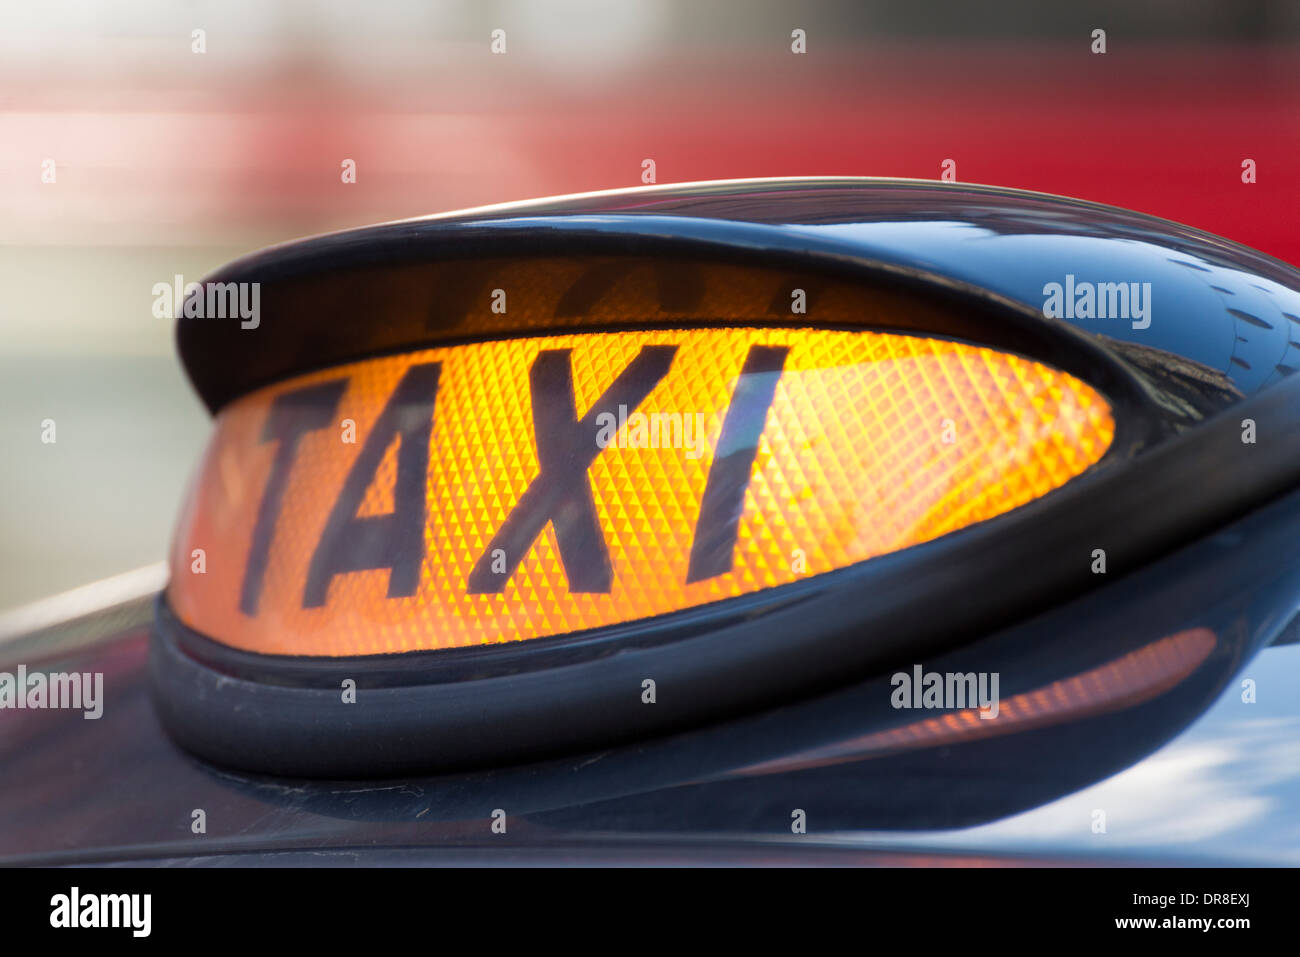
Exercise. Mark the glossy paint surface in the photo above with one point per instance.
(1221, 304)
(1220, 791)
(1153, 284)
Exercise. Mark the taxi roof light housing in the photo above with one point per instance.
(473, 355)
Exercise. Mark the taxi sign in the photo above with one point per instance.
(518, 489)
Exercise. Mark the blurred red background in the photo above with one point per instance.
(154, 143)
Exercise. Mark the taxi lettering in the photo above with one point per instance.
(560, 494)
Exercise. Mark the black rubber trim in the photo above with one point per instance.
(443, 709)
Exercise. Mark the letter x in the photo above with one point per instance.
(561, 492)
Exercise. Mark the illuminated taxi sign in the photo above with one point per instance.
(517, 489)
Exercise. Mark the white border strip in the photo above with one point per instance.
(80, 602)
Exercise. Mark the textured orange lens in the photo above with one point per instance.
(740, 459)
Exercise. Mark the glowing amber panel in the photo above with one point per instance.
(871, 443)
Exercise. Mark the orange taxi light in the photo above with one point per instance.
(523, 488)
